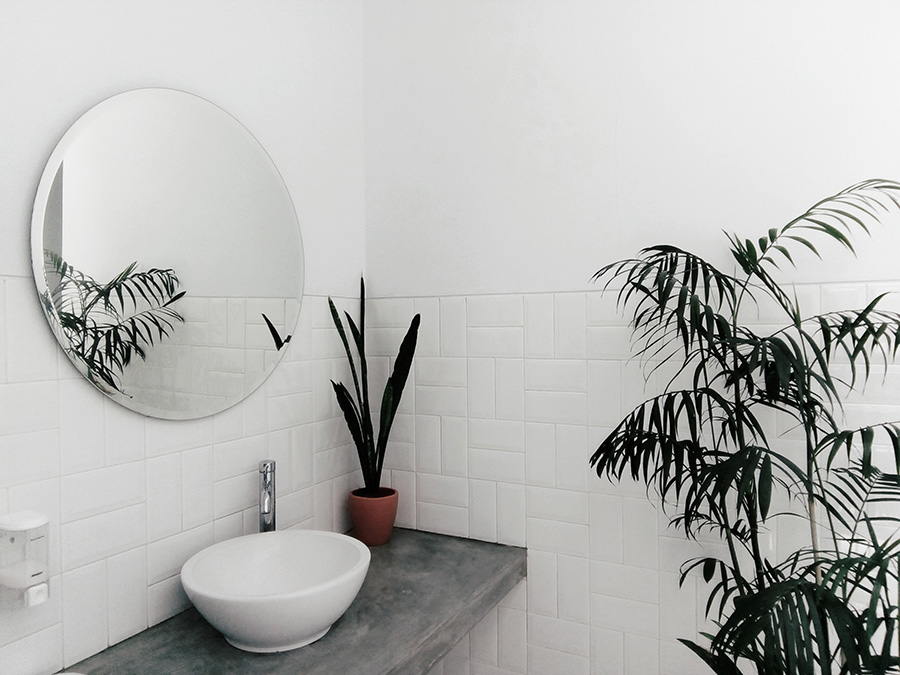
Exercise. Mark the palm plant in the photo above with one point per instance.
(357, 412)
(103, 326)
(831, 605)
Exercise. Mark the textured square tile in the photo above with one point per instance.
(511, 528)
(677, 606)
(571, 325)
(543, 581)
(572, 457)
(166, 557)
(503, 342)
(29, 407)
(624, 581)
(446, 490)
(85, 615)
(641, 654)
(127, 594)
(98, 537)
(453, 326)
(92, 492)
(555, 375)
(641, 530)
(512, 644)
(235, 494)
(197, 495)
(497, 435)
(454, 446)
(560, 635)
(556, 407)
(164, 494)
(608, 651)
(483, 510)
(554, 536)
(123, 434)
(238, 457)
(481, 388)
(429, 340)
(40, 652)
(389, 312)
(540, 454)
(510, 382)
(441, 371)
(604, 387)
(165, 600)
(483, 640)
(81, 426)
(494, 310)
(540, 334)
(606, 520)
(441, 401)
(574, 585)
(562, 505)
(545, 661)
(627, 616)
(29, 457)
(452, 520)
(428, 443)
(497, 465)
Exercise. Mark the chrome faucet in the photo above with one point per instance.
(267, 495)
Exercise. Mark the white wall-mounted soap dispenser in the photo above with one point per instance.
(24, 558)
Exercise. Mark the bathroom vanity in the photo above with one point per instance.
(422, 594)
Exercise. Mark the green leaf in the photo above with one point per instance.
(765, 487)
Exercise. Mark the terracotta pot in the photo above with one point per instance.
(373, 515)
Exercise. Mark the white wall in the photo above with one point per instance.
(479, 159)
(518, 146)
(130, 497)
(513, 148)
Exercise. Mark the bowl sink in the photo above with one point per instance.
(275, 591)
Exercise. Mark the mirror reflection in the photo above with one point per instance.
(167, 254)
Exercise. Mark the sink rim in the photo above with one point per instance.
(188, 578)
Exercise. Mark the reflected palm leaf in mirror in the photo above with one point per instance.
(106, 324)
(166, 177)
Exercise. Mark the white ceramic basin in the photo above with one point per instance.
(275, 591)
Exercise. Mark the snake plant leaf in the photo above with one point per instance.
(396, 382)
(338, 324)
(352, 418)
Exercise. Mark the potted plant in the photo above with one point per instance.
(831, 604)
(372, 507)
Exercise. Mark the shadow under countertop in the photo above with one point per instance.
(422, 594)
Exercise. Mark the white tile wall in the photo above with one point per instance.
(547, 376)
(131, 498)
(507, 398)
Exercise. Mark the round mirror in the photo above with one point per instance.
(167, 254)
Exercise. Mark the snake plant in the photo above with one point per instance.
(829, 605)
(357, 411)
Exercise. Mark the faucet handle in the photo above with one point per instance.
(267, 466)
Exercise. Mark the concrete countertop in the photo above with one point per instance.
(422, 594)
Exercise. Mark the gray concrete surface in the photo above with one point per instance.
(422, 594)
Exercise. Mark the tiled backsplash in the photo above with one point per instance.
(508, 397)
(218, 355)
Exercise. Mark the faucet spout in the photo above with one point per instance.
(267, 495)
